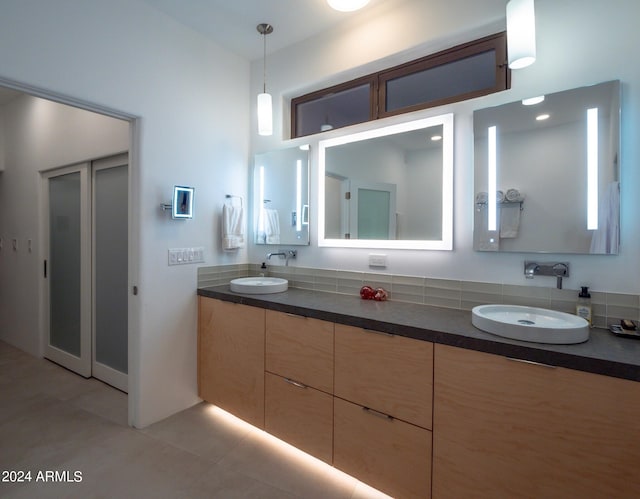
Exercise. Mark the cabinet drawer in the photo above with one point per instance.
(390, 374)
(300, 348)
(514, 429)
(386, 453)
(299, 415)
(231, 358)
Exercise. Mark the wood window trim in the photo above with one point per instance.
(372, 80)
(377, 81)
(497, 42)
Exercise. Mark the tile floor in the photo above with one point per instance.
(53, 420)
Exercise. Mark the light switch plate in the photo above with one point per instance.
(181, 256)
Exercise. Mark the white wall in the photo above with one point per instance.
(579, 42)
(192, 100)
(39, 135)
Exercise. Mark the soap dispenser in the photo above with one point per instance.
(583, 307)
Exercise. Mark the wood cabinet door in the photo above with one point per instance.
(505, 428)
(300, 348)
(231, 358)
(299, 415)
(391, 374)
(386, 453)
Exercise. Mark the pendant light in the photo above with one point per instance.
(347, 5)
(265, 112)
(521, 33)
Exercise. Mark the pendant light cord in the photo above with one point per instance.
(264, 63)
(264, 29)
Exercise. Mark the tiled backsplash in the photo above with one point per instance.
(607, 308)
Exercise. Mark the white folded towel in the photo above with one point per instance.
(482, 198)
(500, 196)
(272, 226)
(514, 196)
(232, 227)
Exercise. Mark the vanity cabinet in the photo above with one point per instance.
(382, 451)
(389, 373)
(382, 410)
(299, 415)
(300, 348)
(231, 340)
(299, 382)
(505, 428)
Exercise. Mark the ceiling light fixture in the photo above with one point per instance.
(265, 107)
(542, 117)
(347, 5)
(521, 33)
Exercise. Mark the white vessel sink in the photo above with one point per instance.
(259, 285)
(538, 325)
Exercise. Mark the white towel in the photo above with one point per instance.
(514, 196)
(509, 220)
(232, 227)
(482, 197)
(272, 226)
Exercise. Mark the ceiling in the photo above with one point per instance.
(232, 23)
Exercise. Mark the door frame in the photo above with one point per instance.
(355, 187)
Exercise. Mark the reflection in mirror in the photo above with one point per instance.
(551, 167)
(390, 187)
(281, 197)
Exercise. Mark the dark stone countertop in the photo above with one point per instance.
(604, 353)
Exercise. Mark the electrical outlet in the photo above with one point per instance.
(377, 260)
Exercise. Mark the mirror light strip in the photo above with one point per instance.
(491, 188)
(592, 168)
(261, 202)
(299, 195)
(446, 242)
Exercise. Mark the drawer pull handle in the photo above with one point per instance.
(295, 315)
(377, 413)
(378, 332)
(295, 383)
(532, 362)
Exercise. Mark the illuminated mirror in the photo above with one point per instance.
(547, 175)
(389, 187)
(281, 197)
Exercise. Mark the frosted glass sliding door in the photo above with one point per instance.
(69, 339)
(86, 268)
(110, 278)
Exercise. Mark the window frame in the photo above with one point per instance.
(497, 42)
(377, 81)
(371, 79)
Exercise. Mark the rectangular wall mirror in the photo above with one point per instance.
(547, 175)
(281, 197)
(390, 187)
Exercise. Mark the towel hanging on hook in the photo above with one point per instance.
(231, 197)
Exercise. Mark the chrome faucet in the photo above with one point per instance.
(286, 254)
(553, 269)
